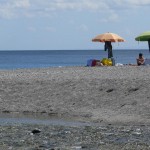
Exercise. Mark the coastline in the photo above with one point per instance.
(93, 94)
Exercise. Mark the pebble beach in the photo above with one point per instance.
(114, 99)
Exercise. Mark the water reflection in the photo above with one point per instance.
(18, 118)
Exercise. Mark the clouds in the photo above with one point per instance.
(10, 9)
(28, 8)
(43, 21)
(137, 2)
(76, 5)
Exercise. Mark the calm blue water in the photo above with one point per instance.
(45, 58)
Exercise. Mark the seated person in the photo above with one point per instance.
(140, 59)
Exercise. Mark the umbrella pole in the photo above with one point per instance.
(149, 45)
(110, 53)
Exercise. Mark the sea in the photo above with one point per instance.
(20, 59)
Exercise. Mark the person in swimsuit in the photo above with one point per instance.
(140, 60)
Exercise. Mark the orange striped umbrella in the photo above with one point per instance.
(108, 38)
(112, 37)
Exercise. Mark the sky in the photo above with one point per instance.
(71, 24)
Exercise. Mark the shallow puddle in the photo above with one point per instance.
(16, 118)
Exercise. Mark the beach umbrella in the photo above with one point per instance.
(107, 38)
(145, 36)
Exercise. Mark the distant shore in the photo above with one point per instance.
(93, 94)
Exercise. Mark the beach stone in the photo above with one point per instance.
(35, 131)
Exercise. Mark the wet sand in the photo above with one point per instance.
(57, 137)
